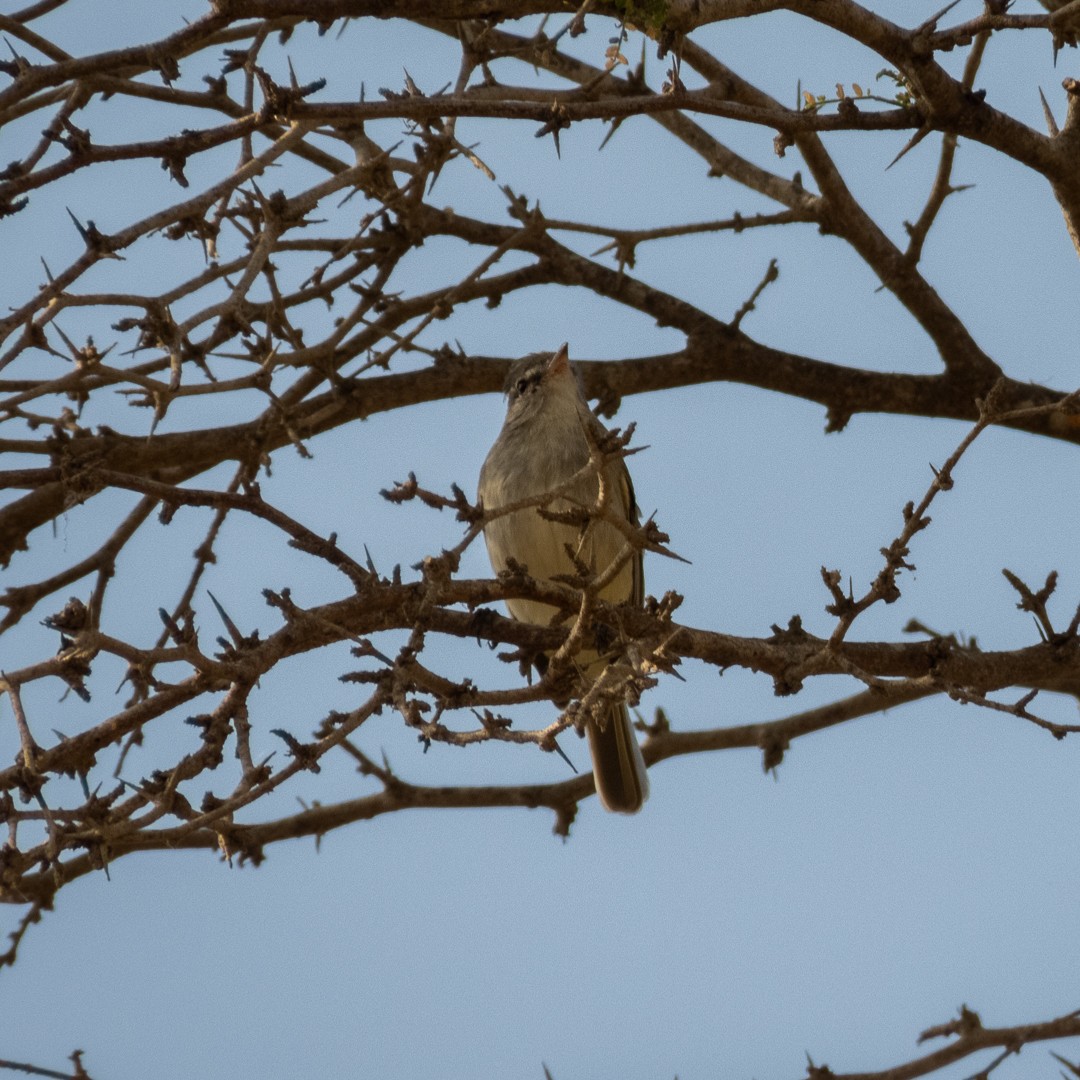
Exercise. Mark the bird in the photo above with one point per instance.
(542, 445)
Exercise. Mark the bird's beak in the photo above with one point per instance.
(559, 364)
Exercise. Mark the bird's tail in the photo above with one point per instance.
(618, 767)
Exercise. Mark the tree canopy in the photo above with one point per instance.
(253, 299)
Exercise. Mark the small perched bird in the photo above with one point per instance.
(541, 446)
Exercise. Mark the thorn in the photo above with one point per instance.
(931, 23)
(559, 750)
(368, 560)
(234, 630)
(911, 144)
(1051, 123)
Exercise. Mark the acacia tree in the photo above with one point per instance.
(272, 298)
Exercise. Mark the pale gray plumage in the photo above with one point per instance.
(542, 445)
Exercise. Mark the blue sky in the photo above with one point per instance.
(891, 870)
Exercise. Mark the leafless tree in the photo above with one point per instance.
(287, 205)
